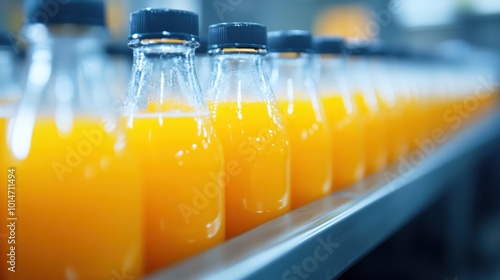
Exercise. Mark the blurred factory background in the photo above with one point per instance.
(417, 23)
(457, 29)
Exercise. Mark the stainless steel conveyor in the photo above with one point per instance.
(322, 239)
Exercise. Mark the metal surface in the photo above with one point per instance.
(324, 238)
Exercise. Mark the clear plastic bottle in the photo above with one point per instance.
(394, 101)
(419, 95)
(118, 68)
(169, 127)
(362, 87)
(409, 97)
(250, 126)
(293, 85)
(79, 198)
(342, 114)
(380, 69)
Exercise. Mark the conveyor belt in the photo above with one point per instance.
(324, 238)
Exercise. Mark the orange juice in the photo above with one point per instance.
(3, 134)
(442, 107)
(414, 119)
(396, 138)
(434, 114)
(310, 146)
(347, 132)
(257, 157)
(375, 132)
(426, 108)
(181, 164)
(77, 203)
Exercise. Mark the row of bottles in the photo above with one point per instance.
(281, 119)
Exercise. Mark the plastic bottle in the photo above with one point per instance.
(249, 124)
(170, 130)
(344, 119)
(362, 87)
(290, 56)
(394, 100)
(118, 68)
(78, 200)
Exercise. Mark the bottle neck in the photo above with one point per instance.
(360, 76)
(291, 75)
(164, 77)
(331, 73)
(331, 65)
(66, 69)
(236, 61)
(238, 74)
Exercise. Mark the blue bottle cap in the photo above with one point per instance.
(378, 49)
(81, 12)
(163, 23)
(289, 41)
(329, 45)
(237, 35)
(203, 48)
